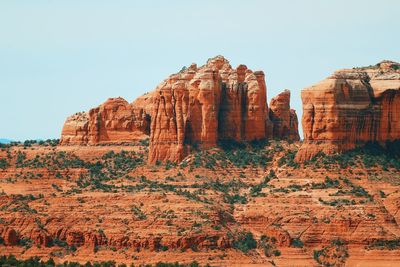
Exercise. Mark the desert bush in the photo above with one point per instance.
(333, 255)
(138, 212)
(244, 242)
(3, 164)
(385, 244)
(297, 243)
(328, 183)
(338, 202)
(268, 244)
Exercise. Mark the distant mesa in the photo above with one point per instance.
(197, 106)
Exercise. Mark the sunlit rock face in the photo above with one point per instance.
(201, 105)
(196, 107)
(350, 108)
(284, 119)
(113, 121)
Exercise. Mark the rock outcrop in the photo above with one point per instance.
(113, 121)
(196, 107)
(351, 108)
(284, 119)
(199, 106)
(75, 129)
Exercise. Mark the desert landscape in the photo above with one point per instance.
(204, 170)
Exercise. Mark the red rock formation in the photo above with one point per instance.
(195, 107)
(206, 104)
(351, 108)
(75, 129)
(113, 121)
(284, 119)
(293, 126)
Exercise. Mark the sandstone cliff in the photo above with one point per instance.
(113, 121)
(350, 108)
(284, 119)
(196, 107)
(199, 106)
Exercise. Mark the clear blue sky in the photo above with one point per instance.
(60, 57)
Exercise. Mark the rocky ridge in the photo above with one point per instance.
(194, 108)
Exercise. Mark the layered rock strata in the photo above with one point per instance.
(194, 108)
(200, 106)
(113, 121)
(284, 119)
(351, 108)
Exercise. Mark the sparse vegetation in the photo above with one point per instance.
(29, 143)
(338, 202)
(11, 260)
(329, 183)
(211, 203)
(3, 164)
(333, 255)
(385, 244)
(256, 189)
(233, 153)
(288, 159)
(139, 214)
(297, 243)
(244, 242)
(369, 155)
(268, 244)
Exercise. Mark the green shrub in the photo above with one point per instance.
(245, 242)
(3, 164)
(268, 244)
(236, 198)
(385, 244)
(334, 254)
(138, 212)
(329, 183)
(297, 243)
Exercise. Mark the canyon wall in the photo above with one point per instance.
(351, 108)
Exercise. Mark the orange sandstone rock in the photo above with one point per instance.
(75, 129)
(196, 107)
(113, 121)
(199, 106)
(284, 119)
(350, 108)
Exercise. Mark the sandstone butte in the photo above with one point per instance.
(194, 108)
(351, 108)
